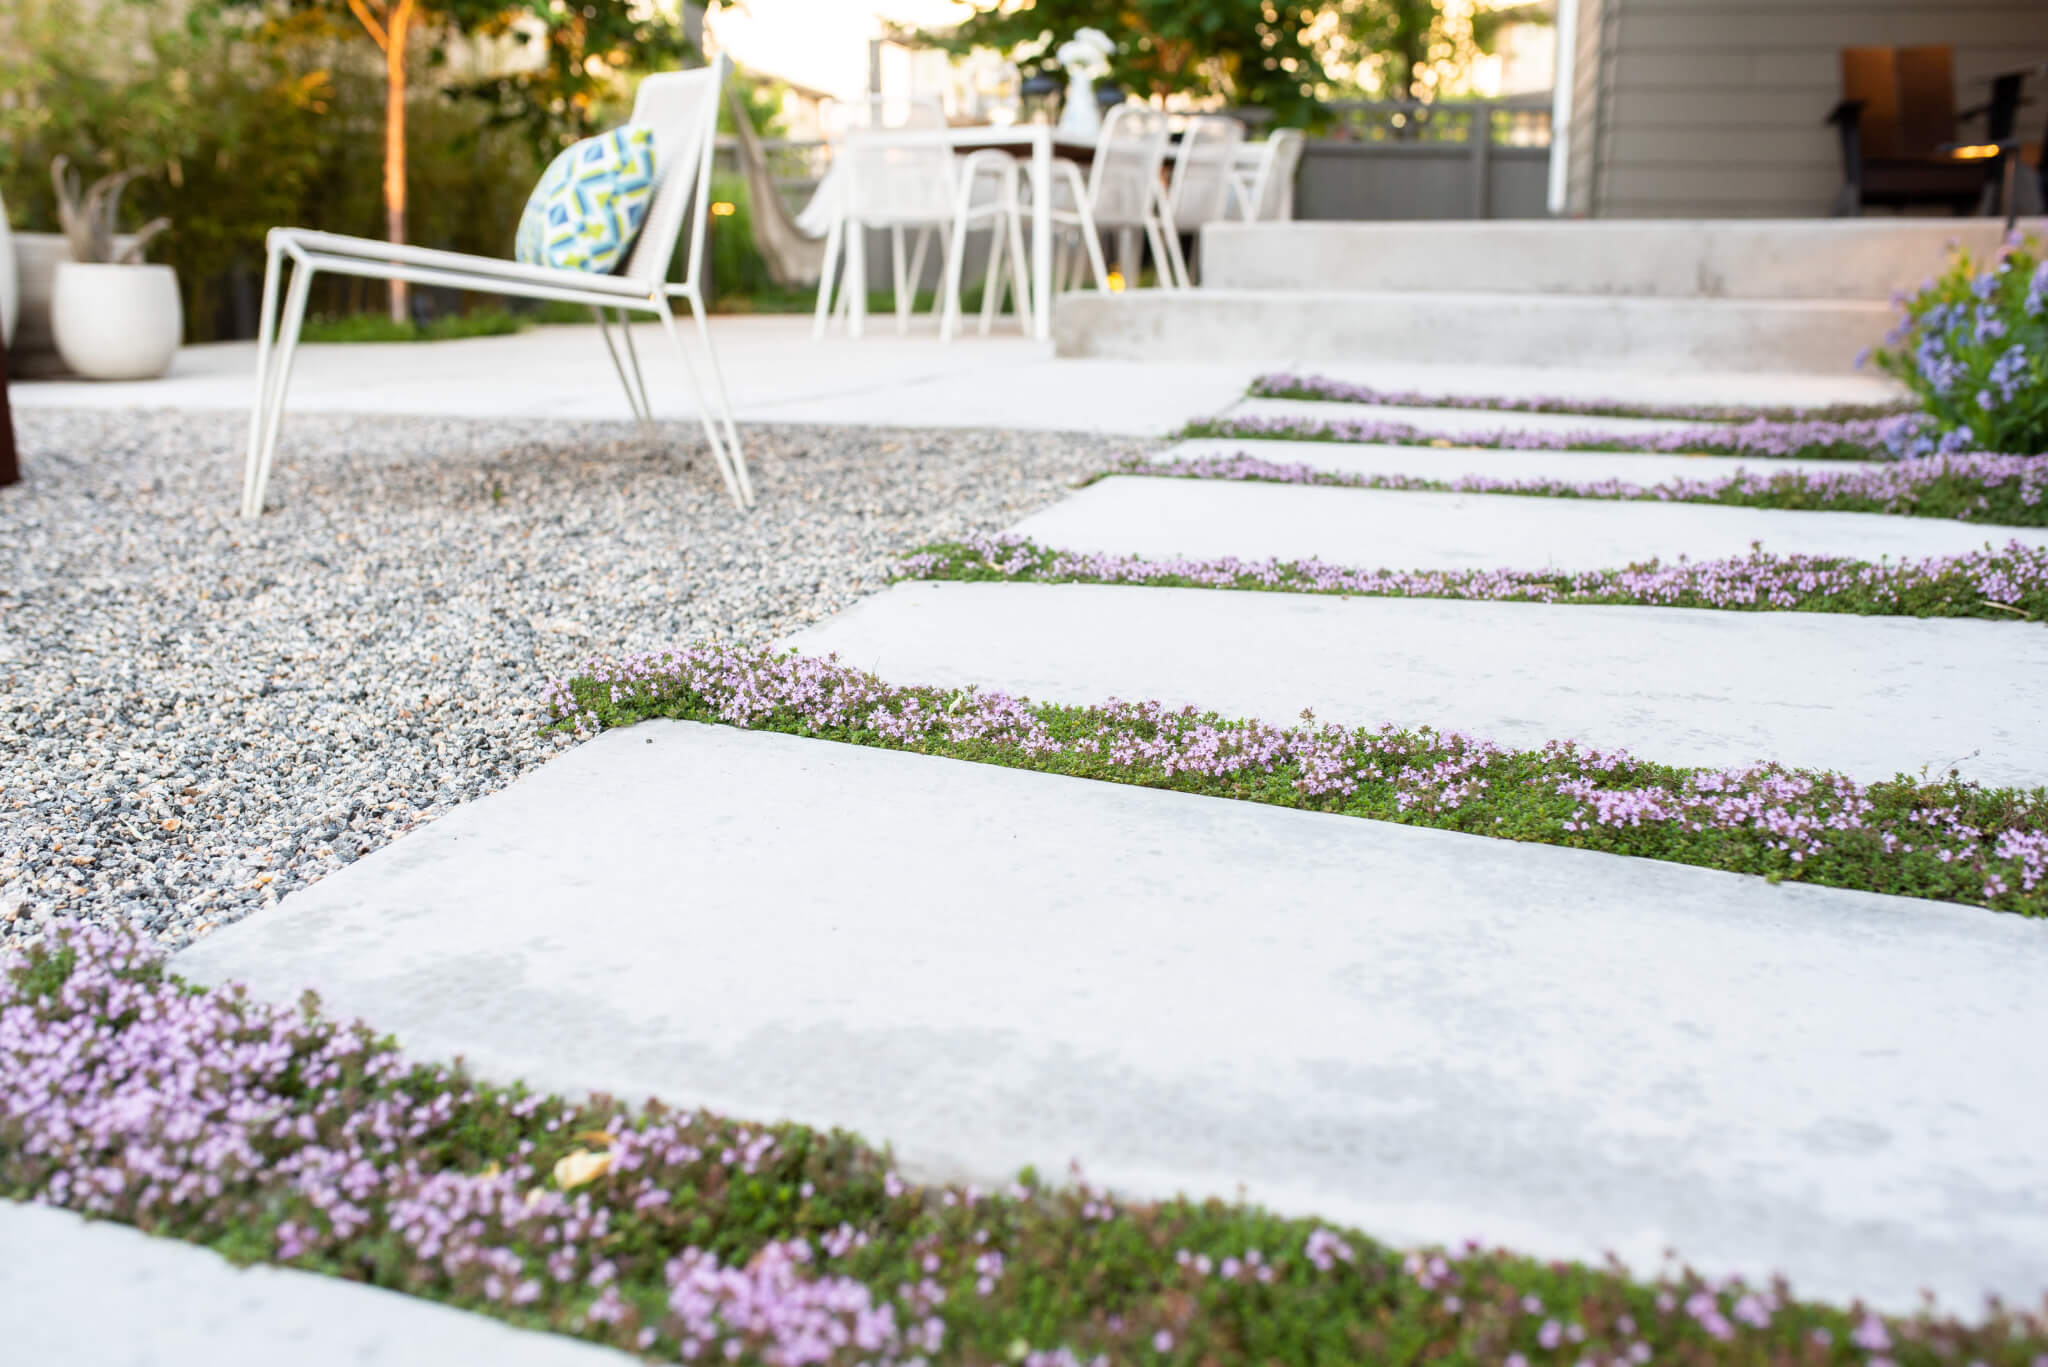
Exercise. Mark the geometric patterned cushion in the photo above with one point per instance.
(590, 203)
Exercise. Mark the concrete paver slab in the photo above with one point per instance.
(1449, 421)
(1691, 386)
(1868, 696)
(1459, 462)
(1429, 1034)
(774, 370)
(1388, 529)
(92, 1294)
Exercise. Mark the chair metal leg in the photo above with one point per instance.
(949, 287)
(636, 396)
(711, 433)
(904, 293)
(1169, 230)
(633, 361)
(737, 456)
(992, 277)
(287, 348)
(259, 407)
(1091, 241)
(1020, 274)
(835, 240)
(917, 256)
(1162, 264)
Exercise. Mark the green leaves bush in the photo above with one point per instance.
(1972, 345)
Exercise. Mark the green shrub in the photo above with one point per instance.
(1972, 344)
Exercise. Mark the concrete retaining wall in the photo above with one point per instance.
(1757, 335)
(1727, 259)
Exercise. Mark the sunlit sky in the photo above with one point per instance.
(821, 43)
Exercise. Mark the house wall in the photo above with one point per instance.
(1582, 134)
(1715, 108)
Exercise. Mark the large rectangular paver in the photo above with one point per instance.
(1460, 462)
(1429, 1034)
(86, 1294)
(1386, 529)
(1868, 696)
(1452, 421)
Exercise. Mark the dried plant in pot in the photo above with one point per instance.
(113, 316)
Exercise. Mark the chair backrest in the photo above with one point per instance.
(682, 109)
(1273, 190)
(886, 179)
(1200, 191)
(1908, 96)
(1927, 99)
(1129, 153)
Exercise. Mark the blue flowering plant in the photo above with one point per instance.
(1973, 346)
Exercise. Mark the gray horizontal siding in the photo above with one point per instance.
(1715, 107)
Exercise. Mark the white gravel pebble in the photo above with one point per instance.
(200, 714)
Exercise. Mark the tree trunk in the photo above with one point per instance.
(394, 146)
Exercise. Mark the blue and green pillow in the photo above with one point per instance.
(590, 203)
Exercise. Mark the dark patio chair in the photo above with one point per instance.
(1898, 112)
(2017, 171)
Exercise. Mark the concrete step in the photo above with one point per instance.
(1862, 259)
(93, 1294)
(1868, 696)
(1459, 462)
(1384, 529)
(1431, 1035)
(1501, 328)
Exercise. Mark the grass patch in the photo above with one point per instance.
(2008, 491)
(379, 327)
(275, 1134)
(1940, 838)
(2009, 585)
(1322, 387)
(1858, 439)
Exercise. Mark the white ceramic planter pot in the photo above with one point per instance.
(116, 322)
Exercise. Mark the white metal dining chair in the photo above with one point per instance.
(1263, 184)
(903, 175)
(1123, 189)
(1200, 191)
(681, 108)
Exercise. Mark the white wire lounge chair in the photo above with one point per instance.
(682, 109)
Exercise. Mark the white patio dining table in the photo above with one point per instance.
(1039, 142)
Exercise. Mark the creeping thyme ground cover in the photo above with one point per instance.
(2008, 585)
(274, 1134)
(1806, 438)
(2006, 490)
(1940, 838)
(1281, 385)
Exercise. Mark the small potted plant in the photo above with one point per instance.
(1085, 59)
(113, 316)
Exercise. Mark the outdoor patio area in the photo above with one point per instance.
(1394, 789)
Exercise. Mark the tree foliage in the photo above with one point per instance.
(585, 48)
(1262, 53)
(1412, 49)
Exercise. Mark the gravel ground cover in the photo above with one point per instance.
(2008, 585)
(274, 1133)
(1971, 487)
(199, 714)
